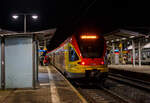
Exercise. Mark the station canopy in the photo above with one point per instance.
(121, 34)
(41, 36)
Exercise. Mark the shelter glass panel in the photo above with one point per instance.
(18, 62)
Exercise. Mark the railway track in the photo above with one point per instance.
(102, 95)
(118, 97)
(108, 95)
(94, 94)
(134, 89)
(143, 85)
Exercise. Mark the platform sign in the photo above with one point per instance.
(116, 51)
(120, 45)
(41, 50)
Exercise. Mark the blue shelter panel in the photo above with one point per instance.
(0, 63)
(18, 62)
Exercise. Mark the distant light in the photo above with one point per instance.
(117, 39)
(132, 36)
(129, 47)
(147, 45)
(107, 42)
(124, 38)
(112, 40)
(15, 16)
(88, 37)
(35, 17)
(116, 50)
(125, 49)
(147, 36)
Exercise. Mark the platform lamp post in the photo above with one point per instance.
(16, 16)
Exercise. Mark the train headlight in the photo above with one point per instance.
(81, 63)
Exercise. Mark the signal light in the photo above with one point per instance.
(81, 63)
(88, 37)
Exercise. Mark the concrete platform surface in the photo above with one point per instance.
(140, 69)
(52, 88)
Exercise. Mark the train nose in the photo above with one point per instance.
(91, 61)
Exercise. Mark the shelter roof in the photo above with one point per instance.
(41, 36)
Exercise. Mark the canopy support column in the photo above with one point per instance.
(133, 52)
(139, 46)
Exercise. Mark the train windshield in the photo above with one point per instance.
(91, 48)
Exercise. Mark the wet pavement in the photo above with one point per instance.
(52, 88)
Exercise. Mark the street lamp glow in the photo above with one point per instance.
(15, 16)
(35, 17)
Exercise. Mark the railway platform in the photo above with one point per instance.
(52, 88)
(140, 69)
(137, 72)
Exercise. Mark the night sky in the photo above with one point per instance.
(69, 16)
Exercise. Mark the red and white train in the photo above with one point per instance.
(81, 56)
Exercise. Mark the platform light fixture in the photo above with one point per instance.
(124, 38)
(128, 42)
(132, 36)
(16, 16)
(117, 39)
(147, 36)
(34, 17)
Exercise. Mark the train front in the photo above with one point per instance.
(90, 62)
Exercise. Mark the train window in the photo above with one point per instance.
(72, 54)
(93, 48)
